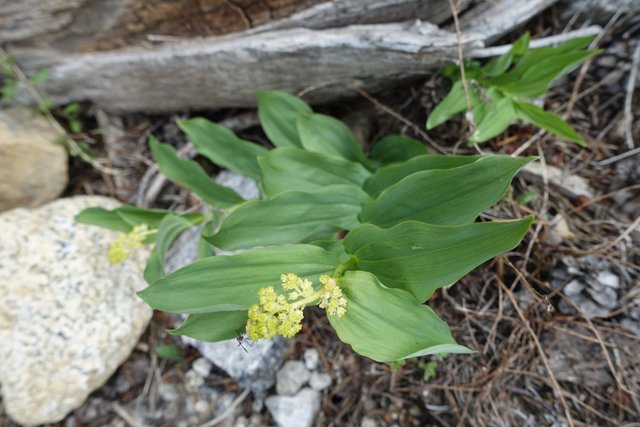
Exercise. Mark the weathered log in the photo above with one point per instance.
(91, 25)
(226, 71)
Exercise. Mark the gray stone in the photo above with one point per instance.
(244, 186)
(201, 407)
(168, 391)
(202, 366)
(291, 377)
(368, 422)
(311, 359)
(192, 381)
(319, 381)
(68, 318)
(295, 411)
(254, 368)
(574, 287)
(575, 360)
(604, 296)
(609, 279)
(33, 168)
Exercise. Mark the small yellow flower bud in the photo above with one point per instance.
(121, 248)
(331, 298)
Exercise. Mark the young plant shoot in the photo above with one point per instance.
(408, 217)
(499, 92)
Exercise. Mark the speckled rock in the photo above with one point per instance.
(68, 318)
(33, 169)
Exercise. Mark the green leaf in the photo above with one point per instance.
(75, 126)
(289, 217)
(548, 121)
(500, 64)
(455, 102)
(526, 198)
(496, 119)
(38, 78)
(536, 79)
(9, 89)
(328, 135)
(386, 176)
(389, 324)
(126, 217)
(71, 110)
(278, 112)
(104, 218)
(170, 352)
(451, 105)
(191, 175)
(231, 283)
(397, 148)
(286, 169)
(445, 196)
(213, 327)
(223, 147)
(168, 230)
(521, 46)
(421, 258)
(534, 57)
(205, 249)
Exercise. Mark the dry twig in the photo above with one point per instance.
(631, 84)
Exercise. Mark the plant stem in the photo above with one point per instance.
(341, 268)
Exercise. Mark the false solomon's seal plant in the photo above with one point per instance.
(408, 219)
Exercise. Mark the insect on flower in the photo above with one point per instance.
(242, 339)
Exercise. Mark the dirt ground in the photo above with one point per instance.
(556, 322)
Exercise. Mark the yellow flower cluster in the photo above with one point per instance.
(331, 299)
(279, 314)
(121, 248)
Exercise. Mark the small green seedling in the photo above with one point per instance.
(169, 352)
(499, 91)
(408, 219)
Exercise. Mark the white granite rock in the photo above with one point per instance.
(68, 318)
(33, 168)
(291, 377)
(295, 411)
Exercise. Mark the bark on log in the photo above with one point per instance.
(90, 25)
(226, 71)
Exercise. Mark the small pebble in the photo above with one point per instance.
(202, 366)
(201, 407)
(291, 377)
(193, 380)
(319, 381)
(295, 411)
(609, 279)
(311, 359)
(224, 402)
(168, 392)
(368, 422)
(415, 411)
(572, 288)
